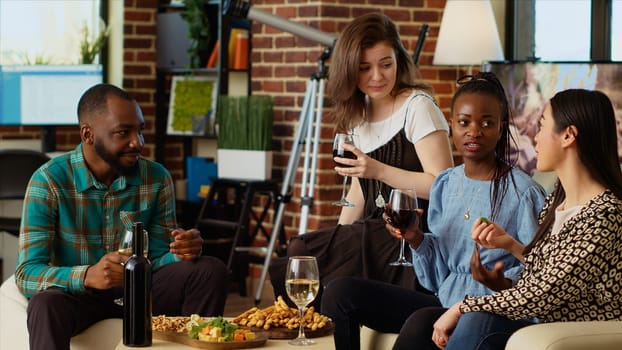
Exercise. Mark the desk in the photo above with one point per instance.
(322, 343)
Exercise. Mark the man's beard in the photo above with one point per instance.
(114, 162)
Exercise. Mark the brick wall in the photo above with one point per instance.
(282, 65)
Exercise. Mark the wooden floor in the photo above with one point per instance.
(237, 304)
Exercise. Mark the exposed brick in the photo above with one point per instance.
(284, 42)
(384, 2)
(295, 86)
(135, 43)
(138, 16)
(133, 69)
(273, 86)
(411, 3)
(308, 11)
(145, 30)
(296, 56)
(438, 4)
(273, 57)
(146, 56)
(286, 12)
(398, 15)
(427, 16)
(283, 71)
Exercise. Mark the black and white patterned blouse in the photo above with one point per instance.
(575, 275)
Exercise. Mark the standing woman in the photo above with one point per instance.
(402, 143)
(571, 264)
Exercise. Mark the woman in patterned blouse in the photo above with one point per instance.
(573, 267)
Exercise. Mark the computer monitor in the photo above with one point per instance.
(44, 95)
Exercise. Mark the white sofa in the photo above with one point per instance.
(601, 335)
(104, 335)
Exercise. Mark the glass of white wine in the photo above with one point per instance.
(125, 249)
(302, 283)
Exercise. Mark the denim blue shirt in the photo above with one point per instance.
(441, 262)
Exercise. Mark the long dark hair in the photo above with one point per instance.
(592, 114)
(362, 33)
(486, 83)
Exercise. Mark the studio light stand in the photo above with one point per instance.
(307, 135)
(308, 129)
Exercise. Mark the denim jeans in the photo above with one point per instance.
(483, 331)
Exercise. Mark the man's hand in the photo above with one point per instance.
(188, 244)
(495, 279)
(107, 273)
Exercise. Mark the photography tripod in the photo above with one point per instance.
(307, 134)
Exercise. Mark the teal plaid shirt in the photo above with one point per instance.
(70, 220)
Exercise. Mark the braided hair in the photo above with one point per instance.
(486, 83)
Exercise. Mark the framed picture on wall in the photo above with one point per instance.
(192, 107)
(529, 86)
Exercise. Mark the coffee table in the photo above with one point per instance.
(321, 343)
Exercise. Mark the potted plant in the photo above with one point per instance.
(90, 46)
(198, 32)
(244, 127)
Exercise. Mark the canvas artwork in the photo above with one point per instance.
(192, 107)
(530, 85)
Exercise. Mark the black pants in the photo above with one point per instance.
(181, 288)
(352, 302)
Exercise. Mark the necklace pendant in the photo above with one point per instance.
(466, 215)
(380, 201)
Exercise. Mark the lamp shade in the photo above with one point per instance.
(468, 34)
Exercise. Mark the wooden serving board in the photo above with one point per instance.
(182, 338)
(285, 333)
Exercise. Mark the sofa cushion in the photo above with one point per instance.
(602, 335)
(103, 335)
(374, 340)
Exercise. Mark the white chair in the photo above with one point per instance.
(104, 335)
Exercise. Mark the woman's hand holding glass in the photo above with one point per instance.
(401, 212)
(413, 235)
(339, 151)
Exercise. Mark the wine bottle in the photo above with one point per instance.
(137, 294)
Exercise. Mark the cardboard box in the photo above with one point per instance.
(244, 164)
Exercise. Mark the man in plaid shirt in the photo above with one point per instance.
(76, 209)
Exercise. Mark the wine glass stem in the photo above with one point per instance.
(402, 242)
(301, 331)
(343, 189)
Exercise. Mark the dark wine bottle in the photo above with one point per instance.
(137, 294)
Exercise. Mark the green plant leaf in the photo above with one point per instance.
(245, 122)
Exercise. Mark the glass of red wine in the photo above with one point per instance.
(402, 213)
(338, 151)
